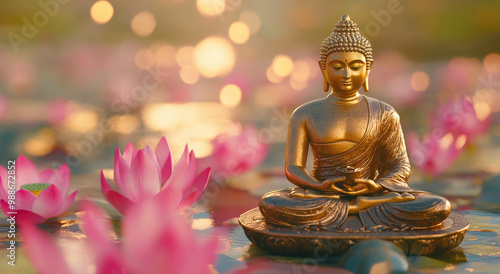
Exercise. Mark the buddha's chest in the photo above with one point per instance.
(339, 125)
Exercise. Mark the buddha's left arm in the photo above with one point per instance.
(394, 166)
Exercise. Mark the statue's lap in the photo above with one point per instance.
(284, 207)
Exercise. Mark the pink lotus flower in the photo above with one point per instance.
(145, 174)
(167, 244)
(51, 202)
(460, 117)
(236, 151)
(436, 153)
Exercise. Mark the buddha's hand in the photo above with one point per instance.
(365, 186)
(328, 185)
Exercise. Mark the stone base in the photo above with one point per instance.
(322, 244)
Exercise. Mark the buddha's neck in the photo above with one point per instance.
(345, 99)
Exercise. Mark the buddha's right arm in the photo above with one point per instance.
(297, 146)
(299, 176)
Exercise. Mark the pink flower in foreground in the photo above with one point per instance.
(460, 117)
(51, 202)
(153, 241)
(237, 151)
(436, 153)
(144, 174)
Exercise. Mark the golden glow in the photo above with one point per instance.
(202, 223)
(108, 173)
(301, 71)
(272, 76)
(252, 19)
(214, 56)
(460, 142)
(189, 75)
(124, 124)
(419, 81)
(144, 59)
(230, 95)
(143, 23)
(491, 63)
(446, 141)
(239, 32)
(41, 144)
(282, 65)
(210, 8)
(101, 12)
(202, 148)
(483, 110)
(165, 55)
(81, 121)
(166, 117)
(184, 56)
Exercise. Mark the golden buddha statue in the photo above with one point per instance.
(361, 166)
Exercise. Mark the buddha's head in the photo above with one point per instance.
(346, 58)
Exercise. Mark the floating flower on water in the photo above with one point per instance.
(145, 174)
(237, 151)
(435, 153)
(38, 195)
(460, 117)
(167, 244)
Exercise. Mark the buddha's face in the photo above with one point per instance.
(345, 71)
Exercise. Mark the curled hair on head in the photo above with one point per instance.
(346, 37)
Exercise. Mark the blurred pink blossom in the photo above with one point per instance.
(390, 81)
(144, 174)
(51, 202)
(461, 118)
(58, 111)
(167, 244)
(460, 75)
(19, 74)
(436, 153)
(236, 151)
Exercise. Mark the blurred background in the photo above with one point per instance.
(78, 78)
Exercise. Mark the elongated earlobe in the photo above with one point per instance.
(366, 87)
(326, 86)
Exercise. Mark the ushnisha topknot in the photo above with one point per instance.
(346, 37)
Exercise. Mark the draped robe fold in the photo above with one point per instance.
(381, 153)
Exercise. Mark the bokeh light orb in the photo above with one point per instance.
(239, 32)
(189, 75)
(210, 8)
(419, 81)
(214, 56)
(143, 23)
(282, 65)
(252, 19)
(230, 95)
(491, 63)
(101, 12)
(184, 57)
